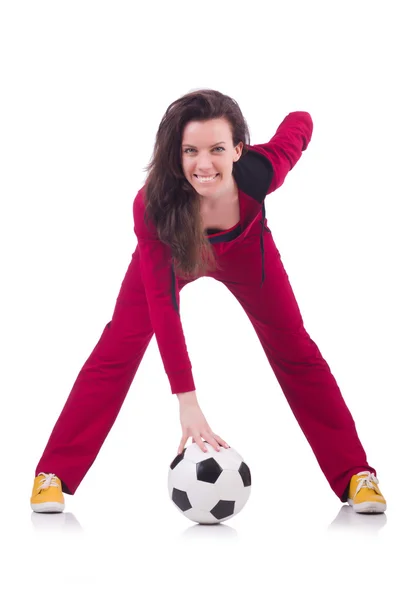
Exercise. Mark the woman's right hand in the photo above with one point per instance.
(195, 425)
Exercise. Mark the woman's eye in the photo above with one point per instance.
(217, 148)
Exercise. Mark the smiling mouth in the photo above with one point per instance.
(206, 179)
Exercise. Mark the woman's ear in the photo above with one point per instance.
(239, 150)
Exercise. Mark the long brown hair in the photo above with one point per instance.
(172, 203)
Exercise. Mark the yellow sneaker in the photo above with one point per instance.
(47, 494)
(364, 494)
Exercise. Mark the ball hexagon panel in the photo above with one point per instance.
(229, 485)
(242, 499)
(203, 495)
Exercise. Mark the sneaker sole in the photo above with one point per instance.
(368, 507)
(48, 507)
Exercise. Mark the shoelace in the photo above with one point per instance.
(366, 481)
(47, 481)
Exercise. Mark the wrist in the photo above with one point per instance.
(188, 397)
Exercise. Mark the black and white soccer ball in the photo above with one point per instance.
(209, 487)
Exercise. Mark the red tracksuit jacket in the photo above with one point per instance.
(258, 173)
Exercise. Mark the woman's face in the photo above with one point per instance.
(208, 152)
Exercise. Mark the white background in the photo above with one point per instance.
(83, 88)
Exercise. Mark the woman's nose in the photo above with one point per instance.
(204, 163)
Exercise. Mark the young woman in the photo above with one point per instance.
(202, 212)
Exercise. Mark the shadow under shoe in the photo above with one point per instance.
(348, 520)
(56, 523)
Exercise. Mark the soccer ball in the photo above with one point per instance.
(209, 487)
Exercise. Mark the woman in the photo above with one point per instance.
(202, 212)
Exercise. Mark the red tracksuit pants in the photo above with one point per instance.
(303, 374)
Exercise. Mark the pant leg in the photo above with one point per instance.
(101, 386)
(302, 372)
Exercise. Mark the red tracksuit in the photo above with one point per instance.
(148, 303)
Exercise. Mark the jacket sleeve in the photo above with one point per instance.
(286, 146)
(155, 263)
